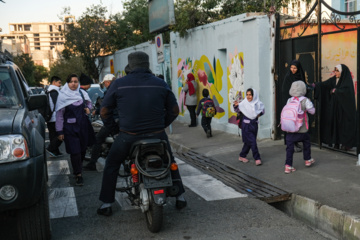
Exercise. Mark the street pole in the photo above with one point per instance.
(319, 62)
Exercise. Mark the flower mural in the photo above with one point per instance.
(206, 75)
(211, 78)
(235, 82)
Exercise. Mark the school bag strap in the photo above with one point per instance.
(82, 95)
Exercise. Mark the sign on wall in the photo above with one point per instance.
(159, 48)
(161, 14)
(112, 66)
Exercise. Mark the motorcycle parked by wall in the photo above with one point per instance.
(146, 175)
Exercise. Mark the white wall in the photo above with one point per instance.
(220, 42)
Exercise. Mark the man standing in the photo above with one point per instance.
(146, 106)
(53, 93)
(103, 133)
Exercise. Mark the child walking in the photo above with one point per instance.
(205, 103)
(252, 108)
(297, 90)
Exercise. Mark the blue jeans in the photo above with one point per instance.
(119, 151)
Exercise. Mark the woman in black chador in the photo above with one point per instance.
(295, 73)
(338, 109)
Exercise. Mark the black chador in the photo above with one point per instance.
(338, 109)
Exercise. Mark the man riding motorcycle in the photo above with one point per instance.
(146, 106)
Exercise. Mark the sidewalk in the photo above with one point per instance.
(333, 181)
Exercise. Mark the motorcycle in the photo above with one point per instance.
(146, 174)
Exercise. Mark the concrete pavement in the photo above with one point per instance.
(325, 195)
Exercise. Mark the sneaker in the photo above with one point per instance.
(208, 133)
(289, 169)
(258, 162)
(79, 181)
(244, 160)
(310, 162)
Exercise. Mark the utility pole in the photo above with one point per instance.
(319, 57)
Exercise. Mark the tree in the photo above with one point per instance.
(40, 73)
(64, 67)
(27, 66)
(190, 14)
(88, 38)
(132, 26)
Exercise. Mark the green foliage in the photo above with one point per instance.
(131, 27)
(89, 39)
(40, 73)
(27, 67)
(64, 67)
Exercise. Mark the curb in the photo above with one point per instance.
(336, 223)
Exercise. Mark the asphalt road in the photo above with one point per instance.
(74, 213)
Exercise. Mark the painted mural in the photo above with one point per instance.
(207, 75)
(235, 73)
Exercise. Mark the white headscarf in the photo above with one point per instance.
(252, 109)
(339, 68)
(68, 96)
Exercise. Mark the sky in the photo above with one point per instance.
(22, 11)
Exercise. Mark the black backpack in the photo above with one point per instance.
(48, 111)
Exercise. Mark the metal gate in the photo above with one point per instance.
(324, 38)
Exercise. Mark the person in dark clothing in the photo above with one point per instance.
(205, 121)
(295, 73)
(85, 82)
(53, 90)
(103, 132)
(72, 124)
(146, 106)
(338, 109)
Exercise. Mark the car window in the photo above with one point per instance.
(94, 93)
(8, 96)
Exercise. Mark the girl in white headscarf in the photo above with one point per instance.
(72, 123)
(251, 108)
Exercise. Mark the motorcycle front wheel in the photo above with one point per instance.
(154, 217)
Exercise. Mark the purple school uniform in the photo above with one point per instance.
(249, 129)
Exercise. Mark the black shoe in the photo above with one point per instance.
(105, 211)
(208, 134)
(79, 181)
(192, 125)
(336, 146)
(90, 167)
(53, 154)
(180, 204)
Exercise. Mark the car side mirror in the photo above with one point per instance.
(36, 101)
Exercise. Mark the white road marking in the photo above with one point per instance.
(62, 200)
(204, 185)
(59, 167)
(62, 203)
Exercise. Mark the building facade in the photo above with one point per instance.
(45, 39)
(16, 45)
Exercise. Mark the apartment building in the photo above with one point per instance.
(46, 40)
(16, 45)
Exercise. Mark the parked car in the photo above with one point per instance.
(95, 92)
(23, 168)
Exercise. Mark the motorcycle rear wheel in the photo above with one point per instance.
(154, 217)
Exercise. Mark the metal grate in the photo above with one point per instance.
(236, 179)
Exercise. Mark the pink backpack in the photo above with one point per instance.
(291, 118)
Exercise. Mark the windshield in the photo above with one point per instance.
(8, 97)
(95, 92)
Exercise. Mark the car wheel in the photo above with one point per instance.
(34, 222)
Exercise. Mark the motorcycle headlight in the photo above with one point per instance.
(13, 148)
